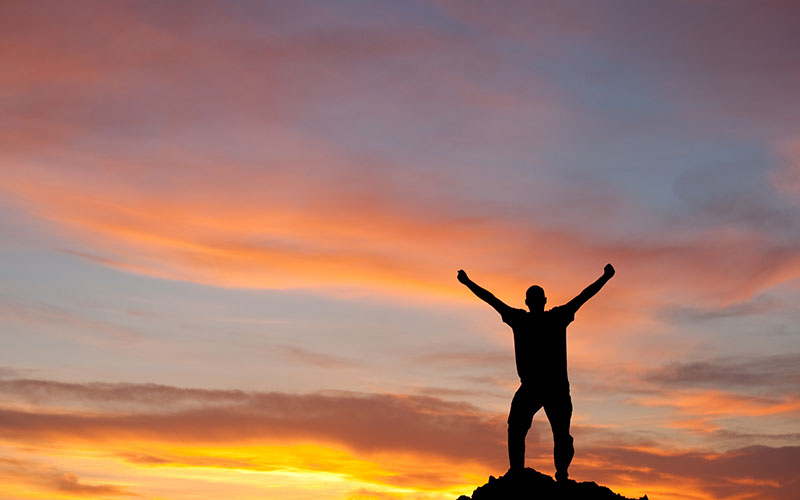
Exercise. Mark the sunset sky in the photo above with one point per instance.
(230, 231)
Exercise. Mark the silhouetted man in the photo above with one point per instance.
(540, 349)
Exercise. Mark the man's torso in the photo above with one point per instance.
(540, 346)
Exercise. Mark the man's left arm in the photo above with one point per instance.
(590, 291)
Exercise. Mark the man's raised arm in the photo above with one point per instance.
(483, 294)
(590, 291)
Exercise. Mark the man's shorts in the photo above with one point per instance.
(529, 398)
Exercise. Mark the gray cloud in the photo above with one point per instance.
(723, 475)
(741, 195)
(778, 371)
(758, 305)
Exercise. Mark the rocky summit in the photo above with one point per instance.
(533, 485)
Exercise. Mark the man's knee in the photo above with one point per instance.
(518, 427)
(563, 440)
(519, 421)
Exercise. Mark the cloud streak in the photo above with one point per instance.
(779, 371)
(64, 322)
(365, 422)
(50, 480)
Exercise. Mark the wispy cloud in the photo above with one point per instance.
(49, 480)
(64, 322)
(366, 422)
(319, 359)
(714, 403)
(779, 372)
(470, 358)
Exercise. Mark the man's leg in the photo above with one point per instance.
(523, 407)
(559, 413)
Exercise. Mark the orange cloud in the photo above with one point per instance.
(338, 442)
(223, 233)
(369, 423)
(365, 444)
(31, 479)
(296, 210)
(115, 146)
(714, 403)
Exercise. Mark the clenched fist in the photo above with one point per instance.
(608, 271)
(462, 276)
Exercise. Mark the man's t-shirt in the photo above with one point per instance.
(540, 345)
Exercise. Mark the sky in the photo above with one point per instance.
(230, 232)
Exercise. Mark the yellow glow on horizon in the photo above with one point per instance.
(300, 470)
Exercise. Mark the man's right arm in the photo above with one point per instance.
(484, 295)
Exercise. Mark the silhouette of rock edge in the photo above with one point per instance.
(533, 485)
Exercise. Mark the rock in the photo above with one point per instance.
(533, 485)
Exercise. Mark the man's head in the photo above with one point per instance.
(535, 299)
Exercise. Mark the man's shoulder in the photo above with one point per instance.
(513, 314)
(562, 311)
